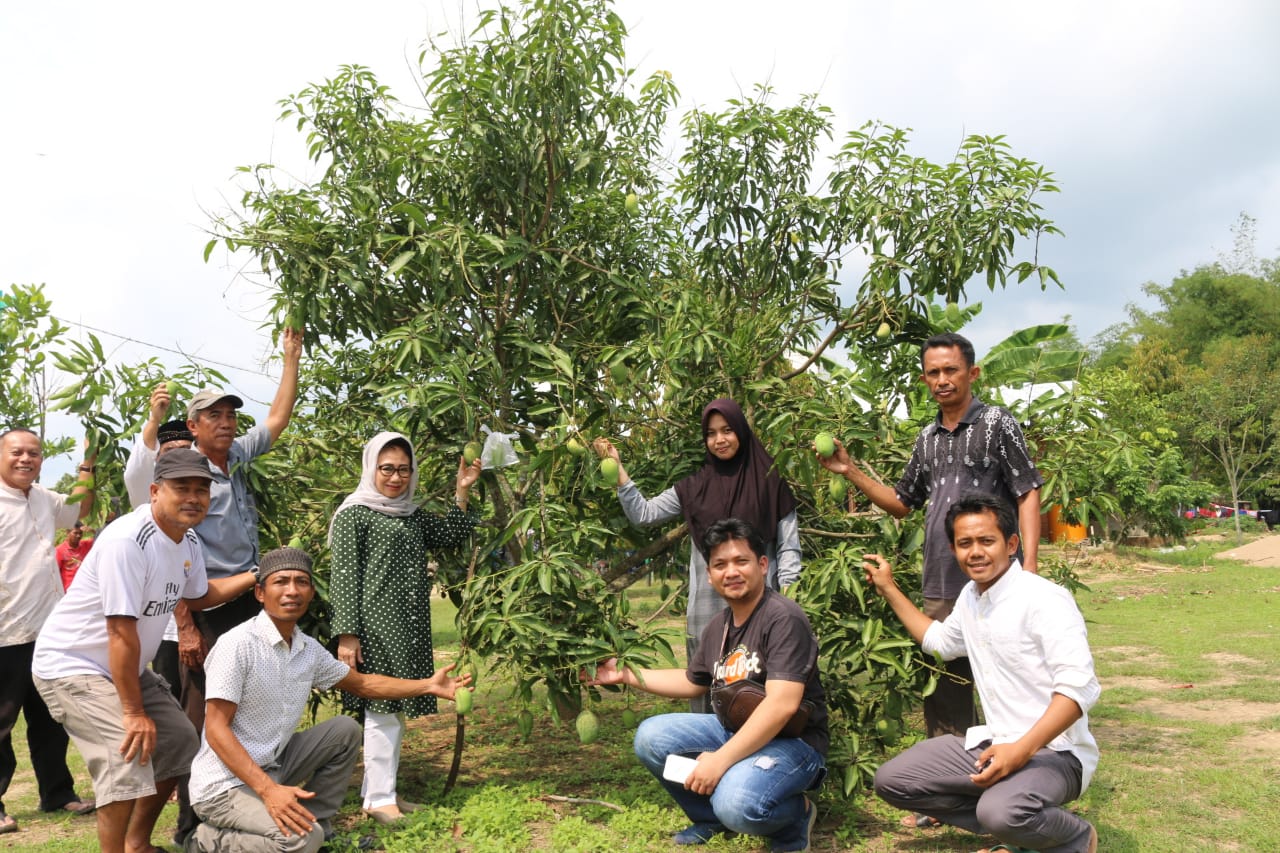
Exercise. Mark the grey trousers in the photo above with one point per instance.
(320, 760)
(1023, 809)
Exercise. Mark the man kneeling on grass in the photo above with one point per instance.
(750, 768)
(258, 783)
(1025, 639)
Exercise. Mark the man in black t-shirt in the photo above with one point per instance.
(748, 773)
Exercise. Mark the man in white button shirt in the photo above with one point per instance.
(1026, 641)
(30, 586)
(257, 783)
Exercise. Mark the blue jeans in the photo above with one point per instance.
(763, 794)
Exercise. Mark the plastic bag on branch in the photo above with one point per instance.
(498, 451)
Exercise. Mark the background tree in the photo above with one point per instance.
(1195, 358)
(29, 334)
(1230, 408)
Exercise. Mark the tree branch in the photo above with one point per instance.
(831, 534)
(830, 339)
(621, 576)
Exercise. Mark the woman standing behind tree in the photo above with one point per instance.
(738, 479)
(380, 592)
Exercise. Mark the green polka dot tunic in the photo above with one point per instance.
(380, 591)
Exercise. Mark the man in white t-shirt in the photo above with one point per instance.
(91, 655)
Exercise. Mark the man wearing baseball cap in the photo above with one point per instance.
(258, 783)
(229, 531)
(90, 661)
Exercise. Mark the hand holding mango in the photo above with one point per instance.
(471, 452)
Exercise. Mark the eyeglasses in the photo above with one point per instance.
(393, 470)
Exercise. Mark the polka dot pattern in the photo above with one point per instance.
(380, 591)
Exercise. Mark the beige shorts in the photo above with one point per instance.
(88, 707)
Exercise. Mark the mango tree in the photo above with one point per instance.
(516, 254)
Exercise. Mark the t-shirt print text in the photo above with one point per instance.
(165, 606)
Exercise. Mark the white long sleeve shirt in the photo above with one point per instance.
(1026, 640)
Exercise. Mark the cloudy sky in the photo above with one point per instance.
(124, 123)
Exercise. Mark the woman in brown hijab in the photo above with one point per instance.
(737, 480)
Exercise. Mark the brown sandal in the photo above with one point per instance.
(920, 821)
(79, 808)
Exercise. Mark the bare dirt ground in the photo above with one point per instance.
(1264, 551)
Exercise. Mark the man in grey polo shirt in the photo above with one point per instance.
(230, 530)
(970, 447)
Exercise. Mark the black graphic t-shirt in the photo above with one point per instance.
(776, 642)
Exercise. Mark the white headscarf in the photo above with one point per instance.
(367, 494)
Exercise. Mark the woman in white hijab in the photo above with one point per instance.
(380, 593)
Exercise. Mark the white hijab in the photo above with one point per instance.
(367, 494)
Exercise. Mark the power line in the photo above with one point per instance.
(165, 348)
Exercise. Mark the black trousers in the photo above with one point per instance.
(46, 740)
(165, 664)
(950, 710)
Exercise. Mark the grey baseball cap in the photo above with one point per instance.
(208, 397)
(181, 462)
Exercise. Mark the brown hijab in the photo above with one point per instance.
(746, 487)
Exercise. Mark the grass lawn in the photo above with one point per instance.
(1188, 724)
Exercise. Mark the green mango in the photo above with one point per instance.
(588, 726)
(839, 488)
(524, 723)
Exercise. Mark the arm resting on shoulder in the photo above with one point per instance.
(222, 590)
